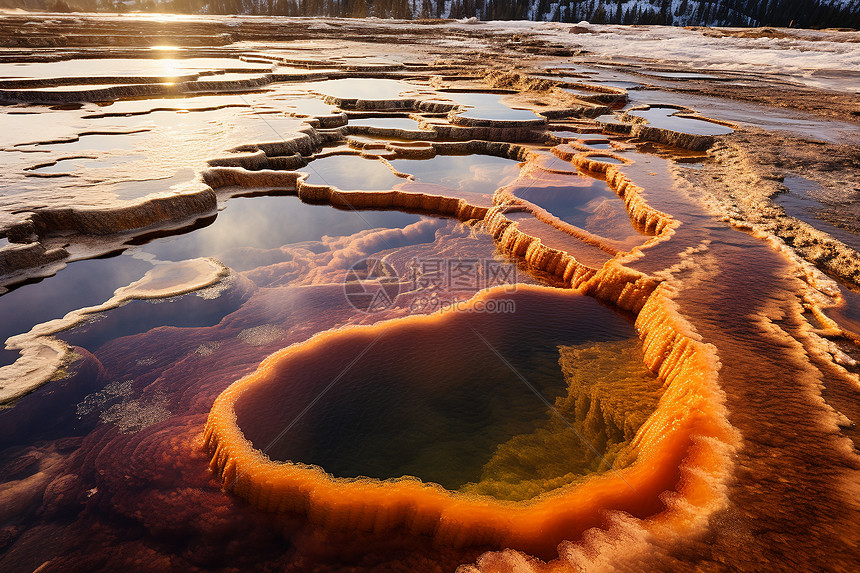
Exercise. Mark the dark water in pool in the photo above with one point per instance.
(80, 284)
(257, 222)
(141, 316)
(430, 399)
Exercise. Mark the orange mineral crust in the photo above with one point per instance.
(409, 308)
(546, 243)
(681, 448)
(645, 218)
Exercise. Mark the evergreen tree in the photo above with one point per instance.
(666, 13)
(795, 13)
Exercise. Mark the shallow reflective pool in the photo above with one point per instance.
(310, 106)
(583, 201)
(440, 415)
(579, 92)
(387, 122)
(470, 173)
(75, 88)
(164, 67)
(665, 118)
(362, 88)
(803, 202)
(67, 165)
(580, 136)
(80, 284)
(680, 75)
(260, 223)
(351, 172)
(489, 106)
(98, 142)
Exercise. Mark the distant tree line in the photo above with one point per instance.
(783, 13)
(746, 13)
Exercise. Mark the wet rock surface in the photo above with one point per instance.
(480, 304)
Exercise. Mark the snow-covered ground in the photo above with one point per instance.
(827, 59)
(821, 58)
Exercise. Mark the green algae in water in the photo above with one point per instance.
(429, 398)
(610, 394)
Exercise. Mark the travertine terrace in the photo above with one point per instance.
(653, 368)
